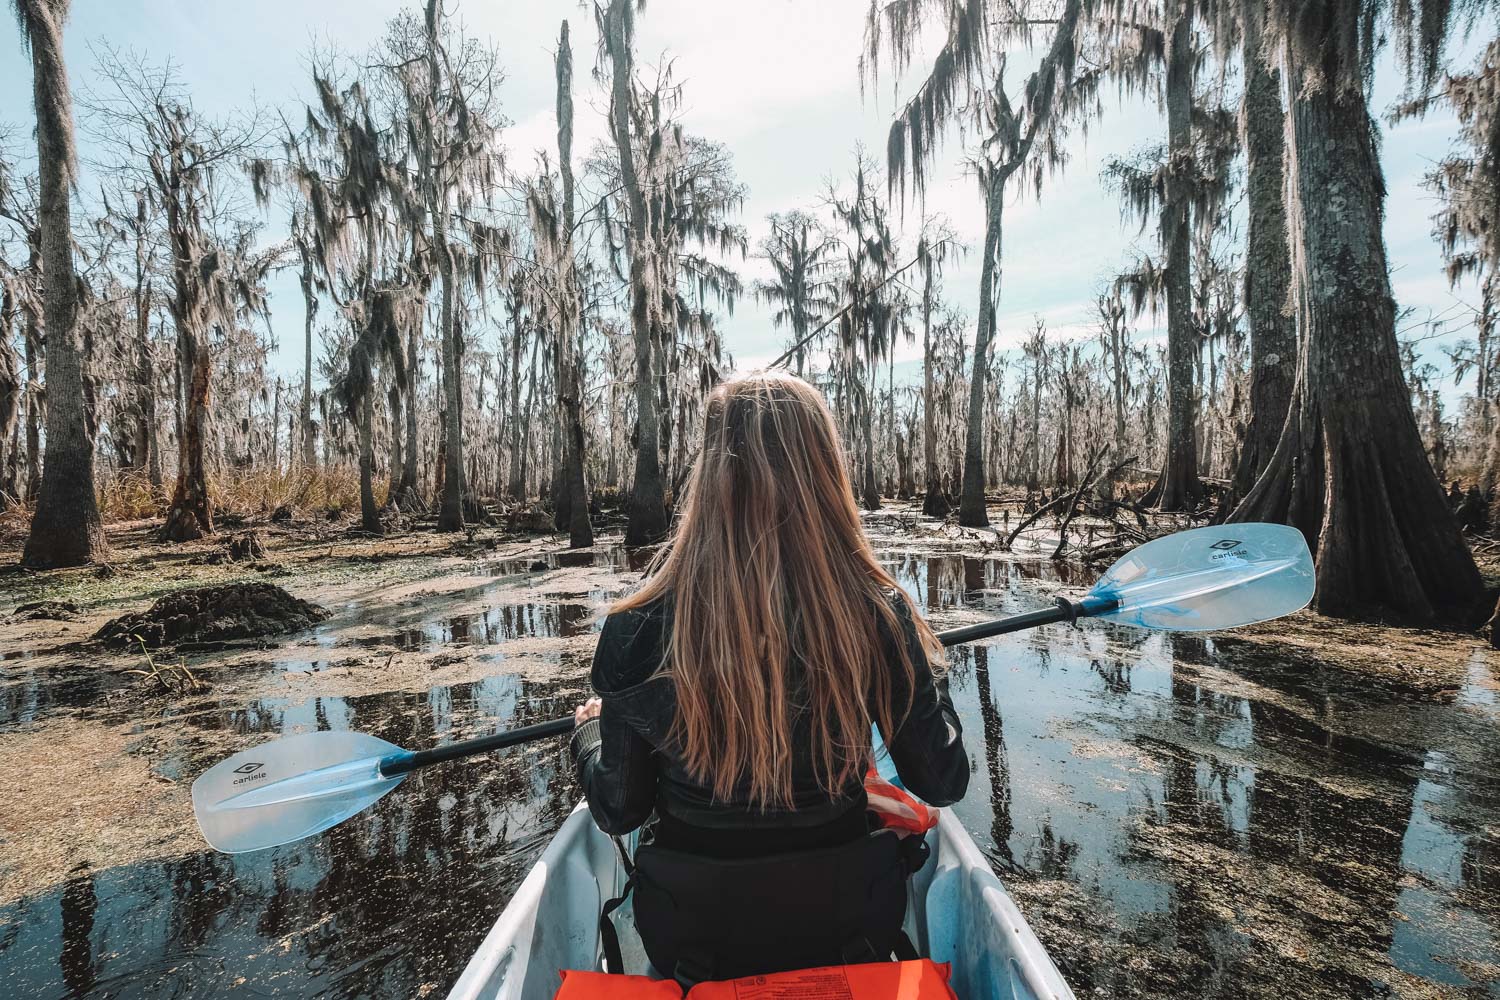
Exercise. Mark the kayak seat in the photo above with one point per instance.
(921, 979)
(703, 919)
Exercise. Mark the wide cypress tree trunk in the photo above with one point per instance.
(66, 529)
(1268, 269)
(971, 510)
(1179, 488)
(1349, 469)
(648, 506)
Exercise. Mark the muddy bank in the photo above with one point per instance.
(1304, 810)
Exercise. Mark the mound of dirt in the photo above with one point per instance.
(61, 611)
(532, 519)
(214, 614)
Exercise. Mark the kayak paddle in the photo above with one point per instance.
(1195, 580)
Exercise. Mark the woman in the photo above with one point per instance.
(739, 685)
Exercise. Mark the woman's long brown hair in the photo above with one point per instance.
(775, 592)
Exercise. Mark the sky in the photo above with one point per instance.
(777, 82)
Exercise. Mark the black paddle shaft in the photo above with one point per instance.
(1063, 611)
(394, 765)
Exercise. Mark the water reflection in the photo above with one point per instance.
(1173, 836)
(502, 623)
(27, 695)
(392, 899)
(611, 556)
(1172, 828)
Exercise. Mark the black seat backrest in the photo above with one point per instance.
(705, 918)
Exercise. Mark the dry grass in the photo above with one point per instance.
(129, 496)
(303, 492)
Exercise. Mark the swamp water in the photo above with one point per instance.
(1176, 816)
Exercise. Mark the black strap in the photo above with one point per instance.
(625, 862)
(692, 970)
(903, 949)
(609, 941)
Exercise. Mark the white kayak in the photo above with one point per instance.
(959, 912)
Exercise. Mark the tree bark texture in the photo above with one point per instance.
(1268, 269)
(1179, 488)
(66, 529)
(1349, 469)
(451, 508)
(647, 521)
(934, 501)
(971, 509)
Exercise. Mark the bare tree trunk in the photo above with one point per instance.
(276, 429)
(572, 498)
(1034, 474)
(10, 396)
(1113, 313)
(369, 514)
(666, 371)
(410, 496)
(1349, 469)
(1268, 269)
(191, 514)
(451, 510)
(971, 509)
(871, 485)
(517, 488)
(1008, 471)
(934, 500)
(648, 508)
(66, 529)
(32, 335)
(1179, 488)
(1491, 470)
(393, 497)
(147, 447)
(530, 409)
(310, 304)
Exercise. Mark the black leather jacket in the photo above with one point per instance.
(627, 769)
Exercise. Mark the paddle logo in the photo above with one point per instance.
(1226, 547)
(251, 771)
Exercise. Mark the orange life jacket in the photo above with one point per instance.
(897, 808)
(579, 985)
(922, 979)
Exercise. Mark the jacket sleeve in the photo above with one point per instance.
(927, 746)
(615, 765)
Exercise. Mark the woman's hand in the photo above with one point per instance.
(588, 710)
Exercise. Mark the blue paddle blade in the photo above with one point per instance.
(1209, 578)
(291, 788)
